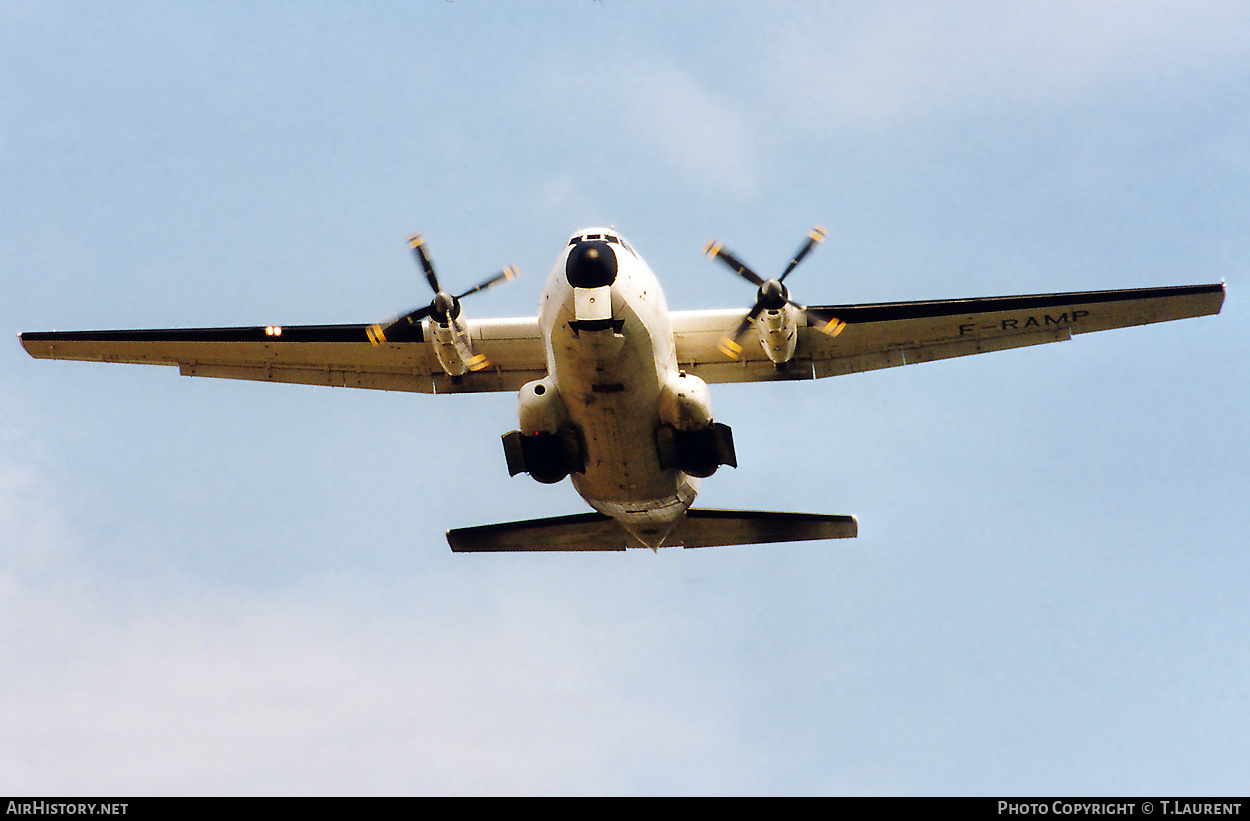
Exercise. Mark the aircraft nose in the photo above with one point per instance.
(591, 265)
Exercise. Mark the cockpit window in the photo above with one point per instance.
(612, 238)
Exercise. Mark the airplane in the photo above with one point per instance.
(613, 387)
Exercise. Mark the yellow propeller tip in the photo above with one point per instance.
(833, 327)
(730, 348)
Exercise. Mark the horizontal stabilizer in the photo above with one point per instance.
(699, 528)
(716, 528)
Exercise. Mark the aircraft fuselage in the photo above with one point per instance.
(610, 363)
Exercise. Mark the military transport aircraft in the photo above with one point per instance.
(613, 387)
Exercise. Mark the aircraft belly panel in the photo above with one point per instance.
(609, 383)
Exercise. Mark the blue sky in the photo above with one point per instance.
(217, 587)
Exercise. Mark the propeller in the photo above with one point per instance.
(772, 294)
(444, 308)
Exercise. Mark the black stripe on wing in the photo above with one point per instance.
(262, 333)
(890, 311)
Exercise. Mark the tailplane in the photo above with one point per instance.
(699, 528)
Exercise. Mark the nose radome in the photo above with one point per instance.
(591, 265)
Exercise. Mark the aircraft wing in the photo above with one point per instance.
(333, 355)
(889, 334)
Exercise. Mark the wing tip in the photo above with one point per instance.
(28, 340)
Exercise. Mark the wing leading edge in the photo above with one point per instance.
(332, 355)
(890, 334)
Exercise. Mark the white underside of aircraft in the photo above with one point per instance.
(613, 387)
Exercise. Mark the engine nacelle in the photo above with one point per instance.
(546, 457)
(453, 348)
(779, 333)
(546, 447)
(540, 408)
(696, 452)
(685, 403)
(687, 438)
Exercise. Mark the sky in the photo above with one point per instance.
(213, 587)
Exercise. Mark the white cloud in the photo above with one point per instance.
(649, 110)
(36, 539)
(695, 131)
(343, 686)
(837, 68)
(32, 534)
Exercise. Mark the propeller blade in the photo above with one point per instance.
(417, 243)
(823, 321)
(817, 235)
(772, 293)
(506, 274)
(392, 331)
(474, 362)
(731, 346)
(444, 308)
(716, 251)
